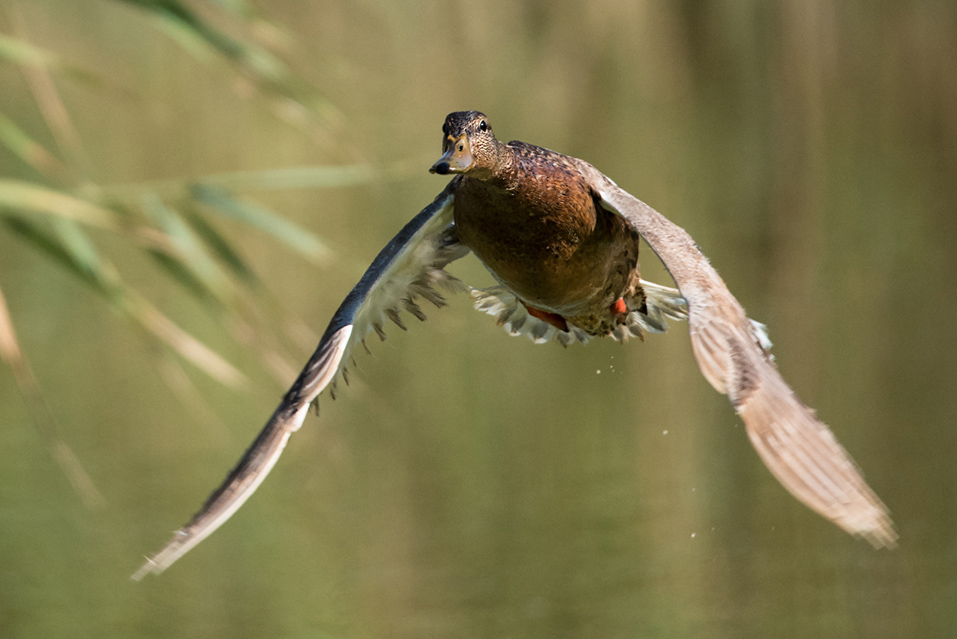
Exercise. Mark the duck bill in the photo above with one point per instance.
(457, 157)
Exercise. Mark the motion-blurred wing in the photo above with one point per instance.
(731, 351)
(409, 267)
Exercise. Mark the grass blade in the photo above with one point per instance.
(74, 252)
(297, 177)
(293, 235)
(20, 195)
(189, 396)
(29, 150)
(180, 21)
(21, 52)
(270, 73)
(192, 264)
(40, 412)
(187, 346)
(221, 248)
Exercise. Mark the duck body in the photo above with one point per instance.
(532, 219)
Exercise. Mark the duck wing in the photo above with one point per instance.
(409, 267)
(731, 351)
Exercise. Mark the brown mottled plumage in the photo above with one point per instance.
(537, 226)
(562, 240)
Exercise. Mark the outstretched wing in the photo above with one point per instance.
(409, 267)
(797, 448)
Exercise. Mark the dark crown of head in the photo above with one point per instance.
(456, 123)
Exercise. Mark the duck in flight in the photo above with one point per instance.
(561, 239)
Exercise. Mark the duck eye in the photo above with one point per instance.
(483, 126)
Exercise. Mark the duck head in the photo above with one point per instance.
(468, 146)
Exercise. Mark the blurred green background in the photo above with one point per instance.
(188, 190)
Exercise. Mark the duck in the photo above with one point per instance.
(561, 240)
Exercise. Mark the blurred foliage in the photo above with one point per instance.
(56, 211)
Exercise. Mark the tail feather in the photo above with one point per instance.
(512, 315)
(662, 303)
